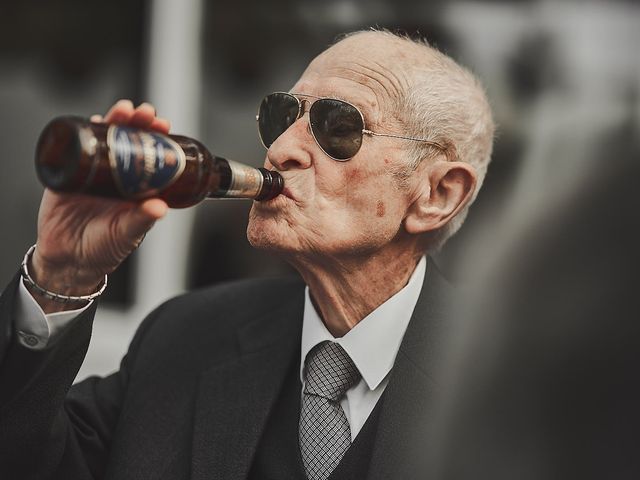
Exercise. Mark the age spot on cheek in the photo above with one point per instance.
(380, 208)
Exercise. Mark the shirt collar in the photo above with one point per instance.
(374, 342)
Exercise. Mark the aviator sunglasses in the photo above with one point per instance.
(336, 126)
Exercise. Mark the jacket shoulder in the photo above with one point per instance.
(208, 319)
(251, 295)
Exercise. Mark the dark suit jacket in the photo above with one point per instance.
(195, 389)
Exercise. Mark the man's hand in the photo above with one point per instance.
(82, 238)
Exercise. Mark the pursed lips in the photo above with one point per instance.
(295, 185)
(279, 201)
(288, 191)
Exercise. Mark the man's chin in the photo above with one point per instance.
(263, 236)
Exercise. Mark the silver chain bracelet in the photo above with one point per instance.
(57, 297)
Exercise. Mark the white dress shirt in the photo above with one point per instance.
(372, 345)
(36, 329)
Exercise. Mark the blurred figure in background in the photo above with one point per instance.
(542, 375)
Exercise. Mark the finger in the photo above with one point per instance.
(143, 116)
(137, 221)
(155, 207)
(120, 112)
(96, 118)
(161, 125)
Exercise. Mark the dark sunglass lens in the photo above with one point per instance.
(278, 112)
(337, 127)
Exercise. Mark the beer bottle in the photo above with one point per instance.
(76, 155)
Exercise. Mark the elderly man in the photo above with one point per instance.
(383, 143)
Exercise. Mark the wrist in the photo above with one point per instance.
(63, 289)
(64, 278)
(50, 306)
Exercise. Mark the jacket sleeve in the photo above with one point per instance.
(49, 430)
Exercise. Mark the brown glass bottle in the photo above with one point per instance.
(76, 155)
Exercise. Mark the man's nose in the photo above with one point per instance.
(294, 147)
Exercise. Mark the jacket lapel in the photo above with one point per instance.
(235, 398)
(401, 438)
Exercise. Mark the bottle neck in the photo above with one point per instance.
(242, 181)
(272, 184)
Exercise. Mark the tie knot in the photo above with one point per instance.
(329, 371)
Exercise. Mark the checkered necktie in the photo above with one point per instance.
(324, 428)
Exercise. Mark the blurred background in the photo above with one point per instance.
(563, 78)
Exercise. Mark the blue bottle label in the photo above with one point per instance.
(143, 163)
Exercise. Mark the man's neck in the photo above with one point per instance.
(345, 291)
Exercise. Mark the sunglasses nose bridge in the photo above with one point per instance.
(304, 107)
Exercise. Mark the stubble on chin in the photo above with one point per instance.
(264, 231)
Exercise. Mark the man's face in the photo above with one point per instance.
(333, 208)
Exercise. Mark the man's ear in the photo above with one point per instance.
(447, 187)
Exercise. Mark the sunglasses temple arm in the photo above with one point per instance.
(414, 139)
